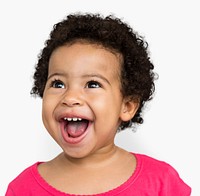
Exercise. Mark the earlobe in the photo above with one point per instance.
(129, 109)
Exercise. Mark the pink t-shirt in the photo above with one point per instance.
(150, 178)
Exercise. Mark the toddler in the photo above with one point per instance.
(94, 76)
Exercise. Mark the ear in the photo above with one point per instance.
(129, 108)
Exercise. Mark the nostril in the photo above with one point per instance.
(72, 97)
(72, 101)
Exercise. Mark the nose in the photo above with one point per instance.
(72, 98)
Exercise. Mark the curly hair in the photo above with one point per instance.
(137, 76)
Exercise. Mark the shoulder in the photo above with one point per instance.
(27, 173)
(24, 180)
(150, 163)
(160, 175)
(155, 167)
(150, 167)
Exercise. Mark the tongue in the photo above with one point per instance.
(76, 129)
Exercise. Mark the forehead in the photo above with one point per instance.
(85, 56)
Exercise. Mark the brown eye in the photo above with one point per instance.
(57, 84)
(93, 84)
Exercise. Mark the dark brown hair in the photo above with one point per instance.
(137, 76)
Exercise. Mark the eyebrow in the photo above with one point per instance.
(84, 76)
(96, 76)
(55, 74)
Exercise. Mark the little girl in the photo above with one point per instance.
(94, 76)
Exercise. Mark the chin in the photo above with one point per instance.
(75, 154)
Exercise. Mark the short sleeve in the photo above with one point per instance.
(9, 192)
(175, 185)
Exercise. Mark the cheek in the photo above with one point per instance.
(46, 111)
(44, 115)
(108, 107)
(99, 102)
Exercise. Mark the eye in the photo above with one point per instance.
(93, 84)
(57, 84)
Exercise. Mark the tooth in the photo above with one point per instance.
(72, 119)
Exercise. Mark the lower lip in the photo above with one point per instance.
(71, 140)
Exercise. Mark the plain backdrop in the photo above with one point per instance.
(171, 120)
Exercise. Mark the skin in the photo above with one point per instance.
(84, 82)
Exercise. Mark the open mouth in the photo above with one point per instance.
(75, 127)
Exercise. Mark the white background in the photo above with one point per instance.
(171, 128)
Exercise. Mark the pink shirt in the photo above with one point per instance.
(150, 178)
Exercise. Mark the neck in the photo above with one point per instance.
(98, 159)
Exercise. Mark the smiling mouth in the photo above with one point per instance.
(75, 127)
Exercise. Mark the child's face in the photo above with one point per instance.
(82, 102)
